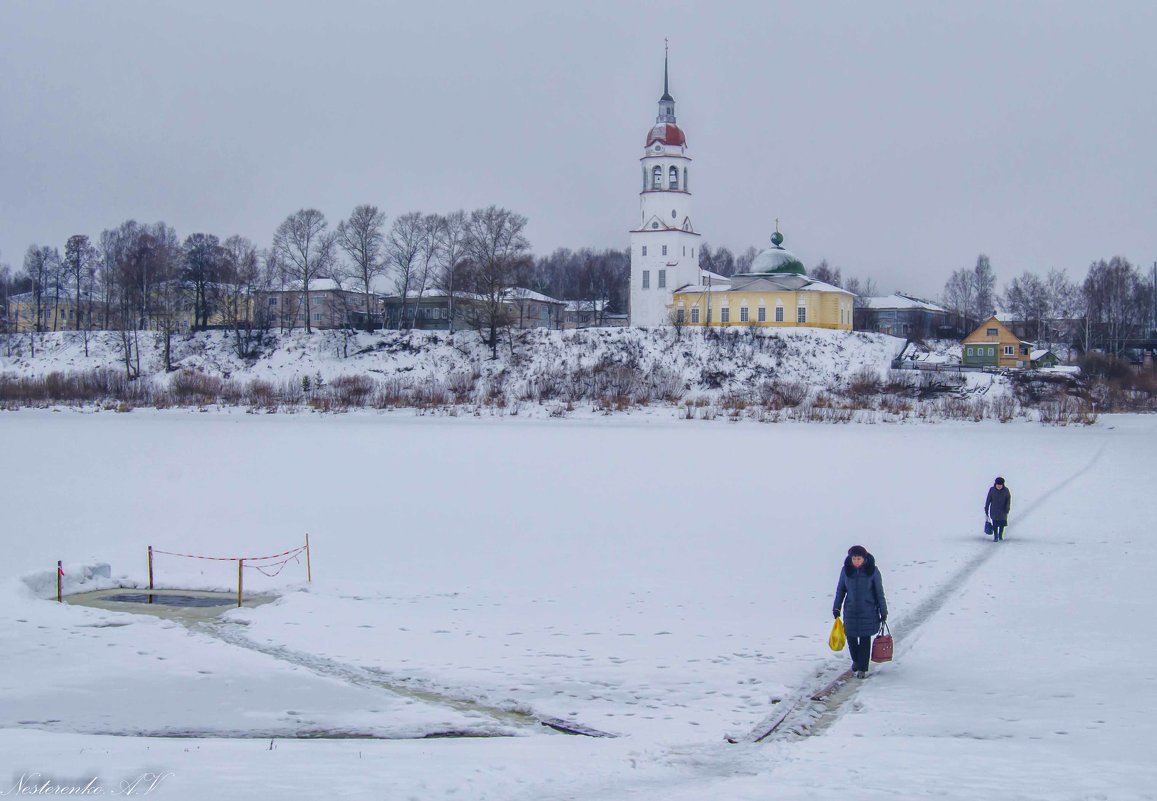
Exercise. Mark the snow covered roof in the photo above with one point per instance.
(586, 305)
(522, 293)
(898, 300)
(820, 286)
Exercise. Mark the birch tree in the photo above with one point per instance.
(362, 239)
(305, 248)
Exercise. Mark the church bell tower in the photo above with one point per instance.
(664, 246)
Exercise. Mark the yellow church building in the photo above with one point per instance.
(775, 293)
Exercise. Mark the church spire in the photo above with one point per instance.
(666, 102)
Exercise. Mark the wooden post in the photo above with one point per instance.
(150, 567)
(59, 573)
(240, 567)
(308, 567)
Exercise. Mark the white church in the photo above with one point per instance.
(667, 285)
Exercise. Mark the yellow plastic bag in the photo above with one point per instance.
(836, 639)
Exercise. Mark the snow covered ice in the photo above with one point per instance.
(655, 579)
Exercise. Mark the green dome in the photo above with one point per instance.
(776, 260)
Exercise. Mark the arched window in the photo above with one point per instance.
(657, 177)
(686, 185)
(674, 181)
(644, 177)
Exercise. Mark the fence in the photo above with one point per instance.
(263, 564)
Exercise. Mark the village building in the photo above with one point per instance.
(330, 306)
(432, 310)
(774, 293)
(902, 315)
(993, 344)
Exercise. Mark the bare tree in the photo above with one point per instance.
(1116, 303)
(745, 259)
(362, 239)
(202, 263)
(824, 272)
(80, 265)
(498, 256)
(40, 270)
(1026, 296)
(403, 246)
(426, 265)
(305, 248)
(241, 277)
(451, 237)
(984, 281)
(1065, 304)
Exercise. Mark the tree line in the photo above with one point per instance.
(140, 276)
(1114, 307)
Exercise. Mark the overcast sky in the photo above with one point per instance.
(895, 140)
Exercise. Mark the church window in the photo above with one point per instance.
(644, 250)
(655, 225)
(662, 279)
(695, 314)
(686, 186)
(657, 177)
(779, 313)
(673, 215)
(692, 252)
(801, 314)
(762, 316)
(674, 180)
(725, 314)
(679, 316)
(646, 279)
(664, 250)
(743, 314)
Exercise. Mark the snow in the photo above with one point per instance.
(480, 575)
(899, 301)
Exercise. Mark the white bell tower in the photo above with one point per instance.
(664, 246)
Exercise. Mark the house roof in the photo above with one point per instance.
(522, 293)
(898, 300)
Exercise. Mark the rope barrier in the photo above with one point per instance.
(279, 565)
(291, 552)
(267, 569)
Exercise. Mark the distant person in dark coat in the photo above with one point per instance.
(996, 508)
(860, 594)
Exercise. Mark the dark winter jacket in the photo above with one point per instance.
(860, 593)
(997, 504)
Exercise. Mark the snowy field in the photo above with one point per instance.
(663, 581)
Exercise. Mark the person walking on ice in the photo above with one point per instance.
(860, 595)
(996, 508)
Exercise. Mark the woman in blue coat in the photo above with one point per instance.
(860, 594)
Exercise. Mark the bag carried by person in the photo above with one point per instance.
(882, 645)
(837, 639)
(988, 527)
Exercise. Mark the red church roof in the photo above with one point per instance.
(668, 133)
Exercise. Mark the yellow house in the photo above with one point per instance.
(776, 293)
(53, 314)
(994, 345)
